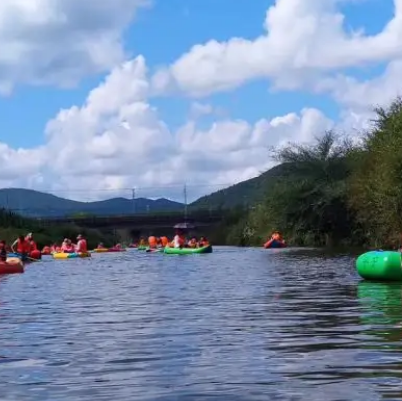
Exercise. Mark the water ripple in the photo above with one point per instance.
(239, 324)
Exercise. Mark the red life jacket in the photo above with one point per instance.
(81, 246)
(23, 246)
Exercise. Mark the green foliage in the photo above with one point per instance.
(231, 231)
(376, 186)
(308, 205)
(242, 195)
(81, 215)
(13, 225)
(334, 191)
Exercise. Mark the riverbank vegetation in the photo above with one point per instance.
(337, 191)
(12, 225)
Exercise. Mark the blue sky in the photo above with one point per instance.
(164, 32)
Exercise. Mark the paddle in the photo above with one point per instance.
(26, 257)
(152, 250)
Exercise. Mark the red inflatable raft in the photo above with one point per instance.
(12, 266)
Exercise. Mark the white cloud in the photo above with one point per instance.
(89, 149)
(60, 41)
(358, 95)
(116, 140)
(200, 109)
(303, 41)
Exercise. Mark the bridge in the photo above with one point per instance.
(200, 219)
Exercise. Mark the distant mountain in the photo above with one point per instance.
(245, 193)
(32, 203)
(38, 204)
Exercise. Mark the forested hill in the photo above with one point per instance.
(244, 193)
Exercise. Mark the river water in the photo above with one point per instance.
(235, 325)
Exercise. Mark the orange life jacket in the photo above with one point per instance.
(152, 242)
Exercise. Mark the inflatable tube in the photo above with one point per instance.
(380, 266)
(187, 251)
(143, 247)
(62, 255)
(274, 244)
(35, 254)
(12, 266)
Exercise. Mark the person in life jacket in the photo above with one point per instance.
(100, 246)
(34, 253)
(164, 241)
(179, 239)
(276, 238)
(81, 246)
(203, 242)
(67, 246)
(55, 248)
(152, 243)
(3, 251)
(46, 250)
(192, 243)
(31, 241)
(21, 246)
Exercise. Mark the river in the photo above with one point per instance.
(235, 325)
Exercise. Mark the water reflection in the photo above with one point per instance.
(382, 303)
(381, 321)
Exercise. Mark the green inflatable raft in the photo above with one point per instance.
(380, 266)
(187, 251)
(142, 248)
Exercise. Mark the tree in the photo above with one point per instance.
(312, 201)
(376, 185)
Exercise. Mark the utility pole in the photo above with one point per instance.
(133, 199)
(185, 201)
